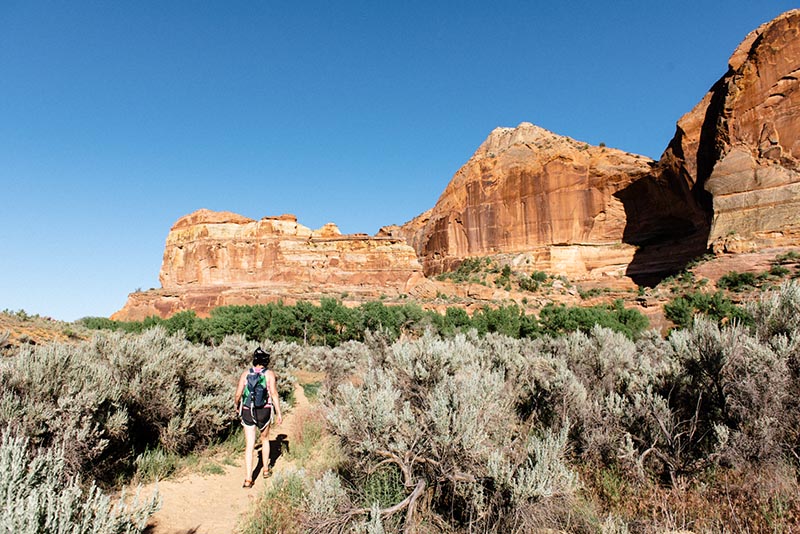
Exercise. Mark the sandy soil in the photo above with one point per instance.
(212, 504)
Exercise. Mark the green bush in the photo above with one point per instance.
(779, 271)
(734, 281)
(467, 270)
(532, 282)
(789, 257)
(592, 292)
(331, 323)
(715, 306)
(505, 320)
(504, 279)
(680, 311)
(558, 320)
(539, 276)
(527, 284)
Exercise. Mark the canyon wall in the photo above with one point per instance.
(738, 149)
(562, 204)
(729, 180)
(220, 258)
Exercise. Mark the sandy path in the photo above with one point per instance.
(212, 504)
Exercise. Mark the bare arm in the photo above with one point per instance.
(240, 389)
(273, 394)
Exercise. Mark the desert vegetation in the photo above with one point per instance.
(725, 304)
(489, 271)
(578, 419)
(584, 432)
(39, 496)
(110, 400)
(107, 411)
(331, 323)
(713, 306)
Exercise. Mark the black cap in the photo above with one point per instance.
(261, 357)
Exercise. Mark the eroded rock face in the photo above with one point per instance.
(529, 190)
(738, 149)
(729, 180)
(732, 169)
(218, 258)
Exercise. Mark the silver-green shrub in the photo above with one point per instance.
(326, 497)
(37, 496)
(543, 472)
(592, 380)
(730, 379)
(777, 312)
(479, 424)
(108, 399)
(443, 412)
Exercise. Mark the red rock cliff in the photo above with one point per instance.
(738, 149)
(584, 211)
(219, 258)
(528, 190)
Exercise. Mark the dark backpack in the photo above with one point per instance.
(256, 393)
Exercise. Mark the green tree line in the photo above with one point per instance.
(331, 323)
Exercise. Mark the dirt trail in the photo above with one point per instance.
(212, 504)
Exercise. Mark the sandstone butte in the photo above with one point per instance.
(728, 181)
(219, 258)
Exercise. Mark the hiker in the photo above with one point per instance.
(258, 403)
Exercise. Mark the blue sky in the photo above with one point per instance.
(118, 118)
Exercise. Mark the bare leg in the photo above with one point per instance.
(265, 448)
(250, 444)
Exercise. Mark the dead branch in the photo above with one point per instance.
(339, 522)
(393, 458)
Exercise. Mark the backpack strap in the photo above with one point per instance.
(249, 393)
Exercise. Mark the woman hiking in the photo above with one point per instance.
(257, 401)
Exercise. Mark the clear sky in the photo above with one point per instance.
(117, 118)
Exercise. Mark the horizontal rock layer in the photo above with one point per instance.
(738, 149)
(214, 259)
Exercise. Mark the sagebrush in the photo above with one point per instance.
(38, 496)
(494, 434)
(110, 399)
